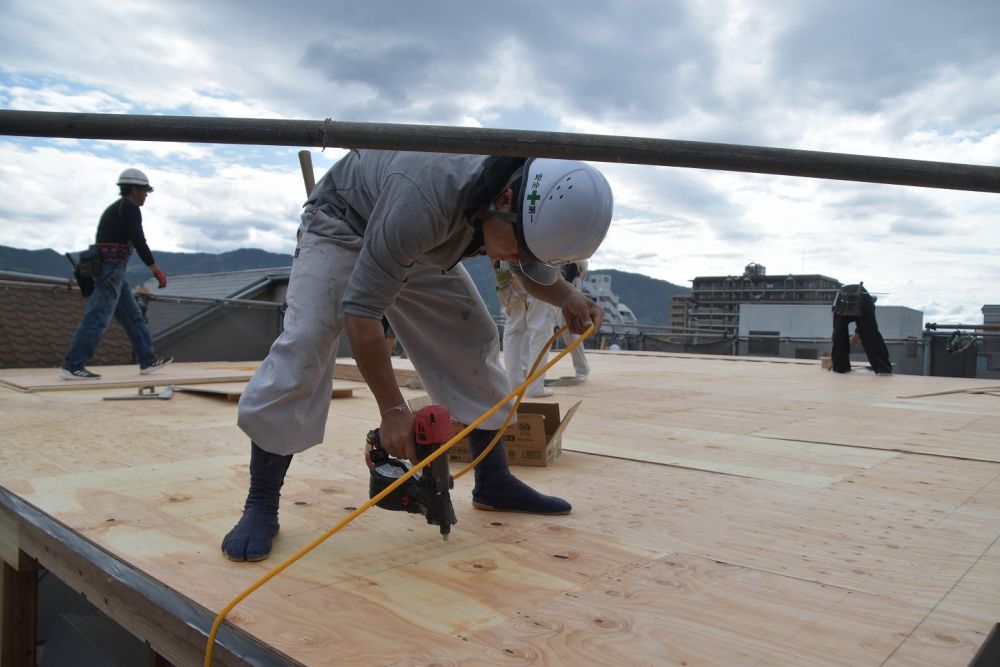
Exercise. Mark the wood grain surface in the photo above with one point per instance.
(726, 512)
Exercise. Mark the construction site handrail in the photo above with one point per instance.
(209, 301)
(933, 326)
(485, 141)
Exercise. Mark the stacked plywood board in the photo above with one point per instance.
(176, 374)
(726, 512)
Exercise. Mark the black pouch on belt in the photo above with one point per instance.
(90, 263)
(86, 283)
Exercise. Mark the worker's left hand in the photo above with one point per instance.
(580, 312)
(161, 277)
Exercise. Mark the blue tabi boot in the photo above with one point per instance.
(498, 490)
(250, 539)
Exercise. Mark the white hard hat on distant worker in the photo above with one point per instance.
(134, 177)
(563, 212)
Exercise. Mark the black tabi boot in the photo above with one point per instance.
(251, 538)
(498, 490)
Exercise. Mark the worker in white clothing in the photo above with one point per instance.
(383, 233)
(528, 324)
(573, 273)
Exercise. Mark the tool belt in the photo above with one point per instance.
(113, 253)
(849, 301)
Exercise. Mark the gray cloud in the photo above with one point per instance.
(916, 228)
(564, 56)
(868, 201)
(392, 71)
(234, 233)
(862, 56)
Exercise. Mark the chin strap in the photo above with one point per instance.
(477, 244)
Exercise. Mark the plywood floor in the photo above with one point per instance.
(726, 512)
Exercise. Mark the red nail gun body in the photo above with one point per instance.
(427, 492)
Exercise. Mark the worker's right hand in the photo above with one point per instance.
(579, 312)
(396, 431)
(161, 277)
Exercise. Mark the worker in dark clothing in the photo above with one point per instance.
(118, 234)
(854, 304)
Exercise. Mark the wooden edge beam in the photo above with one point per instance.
(173, 625)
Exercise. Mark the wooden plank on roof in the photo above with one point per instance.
(751, 549)
(232, 391)
(177, 373)
(406, 376)
(32, 380)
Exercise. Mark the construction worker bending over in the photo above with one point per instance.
(383, 233)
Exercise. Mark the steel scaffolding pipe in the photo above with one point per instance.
(564, 145)
(934, 326)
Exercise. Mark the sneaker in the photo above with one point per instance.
(565, 381)
(155, 366)
(78, 374)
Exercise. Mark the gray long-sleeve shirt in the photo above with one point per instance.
(408, 207)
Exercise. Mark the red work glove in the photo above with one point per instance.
(161, 277)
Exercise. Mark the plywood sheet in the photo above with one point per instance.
(30, 380)
(720, 614)
(713, 522)
(177, 373)
(233, 390)
(406, 376)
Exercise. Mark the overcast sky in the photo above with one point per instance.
(903, 78)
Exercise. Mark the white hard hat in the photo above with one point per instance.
(134, 177)
(564, 212)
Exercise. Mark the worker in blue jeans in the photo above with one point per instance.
(118, 233)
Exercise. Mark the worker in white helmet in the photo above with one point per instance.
(383, 233)
(119, 233)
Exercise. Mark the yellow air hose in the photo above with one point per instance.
(518, 392)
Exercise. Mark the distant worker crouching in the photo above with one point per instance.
(853, 303)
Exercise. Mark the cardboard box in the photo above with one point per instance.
(535, 440)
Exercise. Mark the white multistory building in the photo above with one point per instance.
(618, 317)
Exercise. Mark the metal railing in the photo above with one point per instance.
(485, 141)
